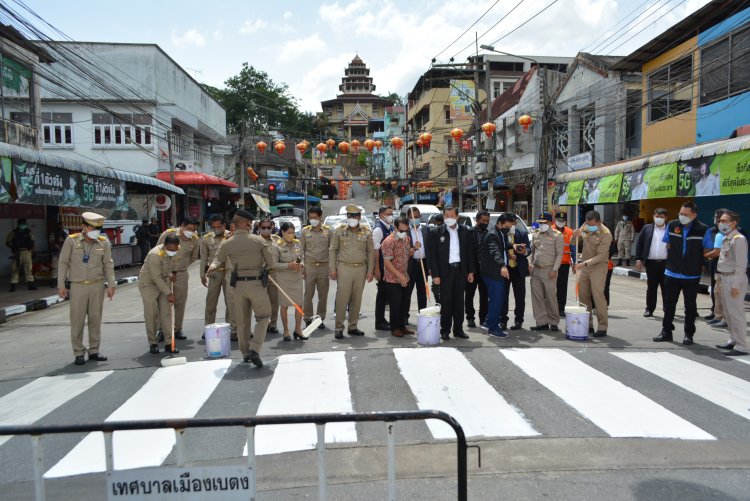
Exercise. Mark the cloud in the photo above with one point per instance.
(295, 49)
(250, 26)
(287, 14)
(189, 38)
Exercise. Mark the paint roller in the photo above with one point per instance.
(430, 310)
(314, 321)
(172, 360)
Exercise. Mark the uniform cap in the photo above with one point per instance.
(93, 219)
(353, 209)
(244, 214)
(561, 215)
(544, 217)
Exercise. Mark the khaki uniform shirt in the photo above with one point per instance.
(209, 245)
(547, 249)
(624, 231)
(249, 254)
(353, 247)
(189, 248)
(315, 243)
(733, 258)
(99, 267)
(596, 246)
(157, 270)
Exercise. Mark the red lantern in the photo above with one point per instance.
(302, 146)
(378, 144)
(343, 147)
(457, 133)
(420, 143)
(369, 144)
(426, 137)
(363, 183)
(525, 121)
(413, 184)
(355, 145)
(489, 128)
(261, 146)
(397, 142)
(279, 147)
(330, 143)
(321, 147)
(377, 183)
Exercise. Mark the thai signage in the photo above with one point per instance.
(204, 483)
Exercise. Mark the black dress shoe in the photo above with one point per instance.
(355, 332)
(709, 317)
(168, 349)
(471, 323)
(516, 326)
(648, 314)
(254, 358)
(339, 335)
(179, 335)
(154, 349)
(591, 330)
(97, 357)
(688, 340)
(32, 287)
(461, 334)
(553, 328)
(445, 336)
(272, 330)
(80, 360)
(543, 327)
(725, 346)
(504, 326)
(12, 288)
(600, 333)
(664, 336)
(160, 338)
(382, 326)
(562, 314)
(322, 326)
(735, 353)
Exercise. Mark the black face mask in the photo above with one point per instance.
(482, 226)
(504, 230)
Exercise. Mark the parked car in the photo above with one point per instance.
(469, 219)
(426, 211)
(289, 219)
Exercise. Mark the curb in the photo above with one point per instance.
(627, 272)
(45, 302)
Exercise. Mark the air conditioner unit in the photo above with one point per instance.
(480, 164)
(184, 165)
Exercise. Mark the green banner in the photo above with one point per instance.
(569, 193)
(609, 189)
(661, 181)
(13, 72)
(733, 170)
(6, 173)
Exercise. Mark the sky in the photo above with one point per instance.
(308, 44)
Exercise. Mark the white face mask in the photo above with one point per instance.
(93, 234)
(171, 253)
(187, 233)
(512, 229)
(724, 228)
(449, 221)
(218, 232)
(400, 235)
(352, 222)
(314, 222)
(659, 221)
(414, 222)
(265, 233)
(388, 219)
(684, 219)
(560, 224)
(543, 227)
(625, 218)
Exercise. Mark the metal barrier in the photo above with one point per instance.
(250, 423)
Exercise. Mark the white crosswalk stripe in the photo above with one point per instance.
(717, 387)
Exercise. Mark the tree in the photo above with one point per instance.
(393, 99)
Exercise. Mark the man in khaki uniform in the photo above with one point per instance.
(155, 283)
(265, 230)
(624, 232)
(316, 240)
(86, 261)
(249, 254)
(596, 239)
(218, 282)
(732, 268)
(188, 253)
(351, 260)
(544, 264)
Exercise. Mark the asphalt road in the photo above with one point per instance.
(618, 417)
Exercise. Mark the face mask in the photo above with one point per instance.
(513, 228)
(724, 228)
(504, 230)
(218, 232)
(352, 222)
(288, 237)
(449, 221)
(314, 222)
(265, 233)
(93, 234)
(388, 219)
(684, 220)
(171, 253)
(482, 226)
(592, 227)
(543, 227)
(400, 235)
(659, 221)
(625, 218)
(22, 226)
(414, 222)
(187, 233)
(560, 224)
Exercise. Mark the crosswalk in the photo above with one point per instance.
(619, 394)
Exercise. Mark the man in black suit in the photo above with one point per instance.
(651, 253)
(451, 266)
(419, 235)
(517, 246)
(476, 236)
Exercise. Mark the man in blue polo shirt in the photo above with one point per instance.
(686, 241)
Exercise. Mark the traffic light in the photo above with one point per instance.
(402, 190)
(271, 194)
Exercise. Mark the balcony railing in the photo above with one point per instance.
(18, 134)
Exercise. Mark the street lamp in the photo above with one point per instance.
(492, 49)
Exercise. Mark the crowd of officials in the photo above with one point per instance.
(262, 271)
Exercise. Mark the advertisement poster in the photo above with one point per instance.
(634, 186)
(462, 94)
(697, 178)
(568, 193)
(43, 185)
(609, 189)
(733, 172)
(6, 173)
(661, 181)
(101, 192)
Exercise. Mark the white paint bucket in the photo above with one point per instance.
(576, 323)
(218, 343)
(430, 310)
(428, 329)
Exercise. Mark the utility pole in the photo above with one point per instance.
(491, 139)
(545, 147)
(242, 166)
(171, 178)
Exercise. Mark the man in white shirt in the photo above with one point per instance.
(419, 235)
(651, 252)
(383, 227)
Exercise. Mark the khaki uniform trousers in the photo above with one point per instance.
(623, 249)
(351, 283)
(86, 300)
(316, 278)
(53, 266)
(180, 295)
(544, 297)
(734, 309)
(718, 306)
(273, 296)
(591, 293)
(250, 297)
(217, 284)
(157, 313)
(23, 262)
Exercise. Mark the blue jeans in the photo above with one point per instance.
(496, 296)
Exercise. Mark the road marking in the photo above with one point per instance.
(615, 408)
(742, 359)
(33, 401)
(717, 387)
(171, 393)
(443, 379)
(305, 383)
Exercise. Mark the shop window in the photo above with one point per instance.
(122, 129)
(725, 67)
(670, 90)
(57, 129)
(447, 114)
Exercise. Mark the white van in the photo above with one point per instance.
(426, 211)
(469, 219)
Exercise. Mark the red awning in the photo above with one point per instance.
(194, 178)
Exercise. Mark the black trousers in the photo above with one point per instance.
(519, 296)
(607, 282)
(398, 301)
(562, 287)
(712, 267)
(416, 280)
(654, 280)
(471, 289)
(672, 289)
(381, 298)
(452, 287)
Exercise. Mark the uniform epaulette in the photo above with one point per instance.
(739, 235)
(326, 227)
(74, 235)
(162, 252)
(307, 227)
(208, 235)
(195, 237)
(102, 237)
(171, 230)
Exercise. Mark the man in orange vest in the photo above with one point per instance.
(569, 255)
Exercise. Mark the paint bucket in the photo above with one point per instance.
(576, 323)
(430, 310)
(428, 329)
(218, 343)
